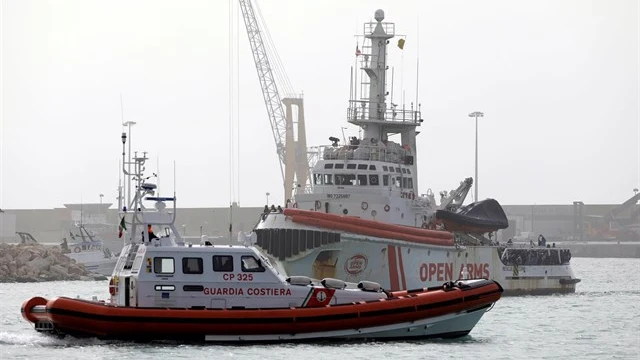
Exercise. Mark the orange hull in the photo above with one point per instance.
(89, 318)
(372, 228)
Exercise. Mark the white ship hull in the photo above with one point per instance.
(401, 265)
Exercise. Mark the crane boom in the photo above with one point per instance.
(292, 152)
(265, 74)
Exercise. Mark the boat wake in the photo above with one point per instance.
(11, 338)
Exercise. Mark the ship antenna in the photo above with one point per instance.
(418, 62)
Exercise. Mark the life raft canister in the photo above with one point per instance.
(113, 286)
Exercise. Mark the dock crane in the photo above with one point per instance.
(292, 153)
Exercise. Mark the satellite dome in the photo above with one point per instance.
(379, 16)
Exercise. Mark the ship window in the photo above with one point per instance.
(223, 263)
(362, 180)
(250, 264)
(408, 171)
(328, 179)
(351, 166)
(164, 288)
(410, 183)
(362, 166)
(404, 171)
(317, 179)
(372, 167)
(191, 265)
(373, 179)
(164, 265)
(390, 169)
(339, 166)
(404, 183)
(385, 180)
(328, 166)
(385, 168)
(397, 169)
(344, 179)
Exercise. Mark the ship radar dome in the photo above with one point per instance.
(379, 16)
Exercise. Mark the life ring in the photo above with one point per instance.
(77, 249)
(364, 205)
(387, 208)
(113, 286)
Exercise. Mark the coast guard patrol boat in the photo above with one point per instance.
(165, 288)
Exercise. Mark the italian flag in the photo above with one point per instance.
(122, 227)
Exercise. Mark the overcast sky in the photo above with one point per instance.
(558, 82)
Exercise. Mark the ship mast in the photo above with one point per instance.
(370, 111)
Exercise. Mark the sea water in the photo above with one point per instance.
(600, 321)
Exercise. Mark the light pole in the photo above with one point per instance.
(268, 197)
(476, 114)
(101, 196)
(129, 124)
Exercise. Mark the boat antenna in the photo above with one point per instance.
(158, 174)
(418, 62)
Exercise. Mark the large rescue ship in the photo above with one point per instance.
(165, 288)
(363, 217)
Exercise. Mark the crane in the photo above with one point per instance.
(292, 154)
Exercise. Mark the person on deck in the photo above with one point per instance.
(151, 234)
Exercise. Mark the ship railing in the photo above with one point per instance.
(361, 111)
(389, 28)
(390, 153)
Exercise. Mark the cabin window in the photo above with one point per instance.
(164, 287)
(363, 166)
(251, 264)
(223, 263)
(339, 166)
(191, 265)
(408, 171)
(317, 179)
(344, 179)
(390, 169)
(328, 179)
(373, 180)
(385, 180)
(164, 265)
(351, 166)
(410, 183)
(372, 167)
(404, 170)
(362, 180)
(385, 168)
(404, 183)
(397, 169)
(328, 166)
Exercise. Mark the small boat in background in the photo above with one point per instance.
(86, 249)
